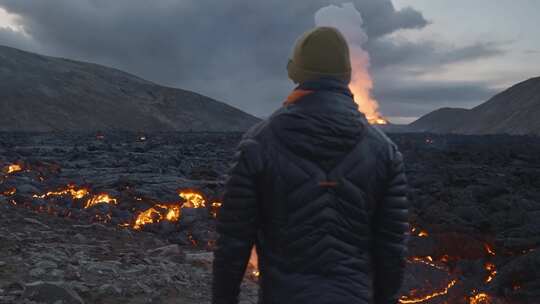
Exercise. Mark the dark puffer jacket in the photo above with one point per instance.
(322, 195)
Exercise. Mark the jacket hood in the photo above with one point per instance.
(322, 126)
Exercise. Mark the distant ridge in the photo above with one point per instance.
(515, 111)
(41, 93)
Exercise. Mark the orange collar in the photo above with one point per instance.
(296, 95)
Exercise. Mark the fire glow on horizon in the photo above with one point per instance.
(349, 22)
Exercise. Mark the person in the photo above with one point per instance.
(319, 191)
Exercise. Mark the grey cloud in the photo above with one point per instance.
(234, 50)
(382, 18)
(427, 54)
(18, 40)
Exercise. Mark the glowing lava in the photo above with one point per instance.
(480, 298)
(215, 208)
(193, 199)
(157, 214)
(406, 299)
(73, 191)
(171, 212)
(489, 250)
(427, 261)
(360, 86)
(13, 168)
(490, 267)
(10, 192)
(102, 198)
(254, 263)
(423, 234)
(419, 232)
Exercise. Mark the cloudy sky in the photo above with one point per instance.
(425, 54)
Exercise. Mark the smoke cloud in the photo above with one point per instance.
(236, 50)
(348, 20)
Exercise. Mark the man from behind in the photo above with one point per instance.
(318, 191)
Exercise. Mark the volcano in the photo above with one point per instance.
(42, 94)
(514, 111)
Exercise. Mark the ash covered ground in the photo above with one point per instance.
(125, 217)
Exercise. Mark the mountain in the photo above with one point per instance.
(40, 93)
(514, 111)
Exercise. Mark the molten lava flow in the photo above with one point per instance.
(423, 234)
(13, 168)
(102, 198)
(445, 258)
(427, 261)
(172, 212)
(157, 214)
(215, 208)
(480, 298)
(490, 267)
(10, 192)
(70, 190)
(489, 250)
(405, 299)
(419, 232)
(193, 199)
(254, 263)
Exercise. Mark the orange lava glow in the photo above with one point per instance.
(193, 199)
(13, 168)
(74, 192)
(423, 234)
(360, 86)
(157, 214)
(172, 212)
(419, 232)
(102, 198)
(480, 298)
(215, 208)
(427, 261)
(406, 299)
(489, 250)
(254, 262)
(10, 192)
(490, 267)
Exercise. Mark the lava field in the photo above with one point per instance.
(475, 204)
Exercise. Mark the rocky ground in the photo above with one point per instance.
(46, 259)
(475, 208)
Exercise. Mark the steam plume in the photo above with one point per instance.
(348, 20)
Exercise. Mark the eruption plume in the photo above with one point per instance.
(348, 20)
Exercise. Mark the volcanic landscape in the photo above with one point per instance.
(130, 217)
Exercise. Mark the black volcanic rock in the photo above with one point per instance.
(39, 93)
(514, 111)
(476, 198)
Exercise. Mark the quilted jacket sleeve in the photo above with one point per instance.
(237, 224)
(390, 233)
